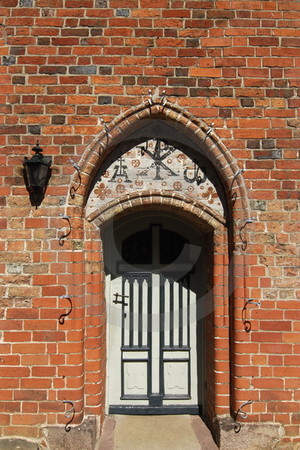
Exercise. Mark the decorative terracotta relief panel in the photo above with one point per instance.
(155, 164)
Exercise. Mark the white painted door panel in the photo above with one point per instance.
(152, 340)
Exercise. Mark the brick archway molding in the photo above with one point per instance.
(230, 291)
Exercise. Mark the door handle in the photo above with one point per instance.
(121, 302)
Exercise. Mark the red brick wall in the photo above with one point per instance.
(64, 65)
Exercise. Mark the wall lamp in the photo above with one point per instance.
(37, 173)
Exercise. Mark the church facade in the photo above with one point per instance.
(150, 248)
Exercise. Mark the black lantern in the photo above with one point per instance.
(37, 173)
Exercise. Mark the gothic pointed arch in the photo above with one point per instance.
(185, 135)
(167, 121)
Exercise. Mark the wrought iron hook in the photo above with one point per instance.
(61, 239)
(234, 194)
(62, 316)
(246, 322)
(163, 100)
(244, 241)
(237, 173)
(243, 415)
(73, 189)
(104, 124)
(150, 97)
(69, 413)
(208, 132)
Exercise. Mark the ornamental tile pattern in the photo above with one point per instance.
(157, 165)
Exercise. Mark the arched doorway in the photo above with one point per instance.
(110, 192)
(158, 289)
(160, 205)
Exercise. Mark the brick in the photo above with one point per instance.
(268, 143)
(8, 60)
(104, 100)
(53, 69)
(28, 419)
(30, 395)
(33, 360)
(17, 336)
(277, 395)
(198, 23)
(264, 41)
(122, 12)
(273, 62)
(14, 372)
(82, 70)
(247, 102)
(26, 3)
(58, 120)
(34, 129)
(231, 62)
(28, 348)
(73, 79)
(261, 73)
(205, 72)
(10, 407)
(12, 129)
(48, 336)
(18, 79)
(11, 324)
(290, 42)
